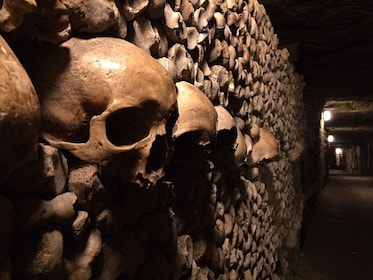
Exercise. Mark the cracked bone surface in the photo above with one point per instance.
(19, 113)
(100, 110)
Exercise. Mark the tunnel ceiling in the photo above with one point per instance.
(331, 44)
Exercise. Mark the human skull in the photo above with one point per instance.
(19, 113)
(231, 148)
(107, 102)
(265, 147)
(196, 124)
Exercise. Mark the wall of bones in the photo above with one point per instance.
(147, 140)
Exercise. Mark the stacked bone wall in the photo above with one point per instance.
(203, 222)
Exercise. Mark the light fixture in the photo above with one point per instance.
(338, 151)
(327, 115)
(330, 138)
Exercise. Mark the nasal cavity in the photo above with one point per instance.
(158, 154)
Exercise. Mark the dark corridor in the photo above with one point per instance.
(338, 231)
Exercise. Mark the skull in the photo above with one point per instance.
(107, 102)
(265, 147)
(19, 113)
(195, 127)
(231, 149)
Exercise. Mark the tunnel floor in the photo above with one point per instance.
(337, 239)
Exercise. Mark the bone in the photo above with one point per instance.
(220, 20)
(170, 67)
(174, 25)
(265, 148)
(148, 36)
(217, 259)
(192, 37)
(183, 61)
(13, 12)
(110, 220)
(228, 224)
(103, 147)
(254, 132)
(20, 119)
(132, 8)
(79, 265)
(55, 169)
(231, 150)
(200, 247)
(219, 232)
(50, 23)
(80, 225)
(194, 105)
(93, 16)
(184, 256)
(226, 49)
(39, 253)
(33, 212)
(86, 185)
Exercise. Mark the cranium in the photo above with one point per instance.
(19, 113)
(264, 148)
(196, 124)
(107, 104)
(231, 149)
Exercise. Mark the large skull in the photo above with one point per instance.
(107, 102)
(19, 113)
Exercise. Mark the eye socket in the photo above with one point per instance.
(128, 126)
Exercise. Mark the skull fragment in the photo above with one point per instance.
(107, 102)
(19, 113)
(195, 128)
(231, 148)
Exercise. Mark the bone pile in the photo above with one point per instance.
(227, 202)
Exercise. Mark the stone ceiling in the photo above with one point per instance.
(331, 44)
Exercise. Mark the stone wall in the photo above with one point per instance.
(215, 214)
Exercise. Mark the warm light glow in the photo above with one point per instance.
(327, 115)
(330, 138)
(338, 151)
(108, 64)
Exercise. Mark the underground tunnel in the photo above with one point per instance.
(188, 139)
